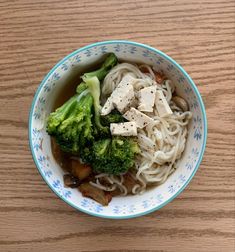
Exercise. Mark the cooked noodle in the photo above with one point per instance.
(162, 143)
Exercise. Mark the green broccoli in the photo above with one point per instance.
(114, 117)
(77, 122)
(71, 124)
(81, 87)
(113, 156)
(94, 88)
(108, 64)
(79, 129)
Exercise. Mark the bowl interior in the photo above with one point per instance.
(67, 71)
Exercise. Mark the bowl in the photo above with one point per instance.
(66, 71)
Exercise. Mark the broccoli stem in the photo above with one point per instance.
(81, 87)
(108, 64)
(94, 89)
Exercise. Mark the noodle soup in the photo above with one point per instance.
(139, 107)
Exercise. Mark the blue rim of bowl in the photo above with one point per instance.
(167, 58)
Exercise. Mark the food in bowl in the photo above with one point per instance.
(122, 132)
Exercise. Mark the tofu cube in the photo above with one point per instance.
(107, 108)
(127, 80)
(147, 98)
(122, 96)
(124, 129)
(138, 117)
(162, 105)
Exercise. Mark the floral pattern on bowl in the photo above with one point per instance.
(129, 206)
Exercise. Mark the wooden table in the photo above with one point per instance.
(34, 35)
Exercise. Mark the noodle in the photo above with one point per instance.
(161, 143)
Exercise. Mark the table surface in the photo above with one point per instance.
(34, 35)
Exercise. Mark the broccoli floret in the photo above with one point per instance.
(77, 122)
(113, 156)
(57, 117)
(85, 154)
(71, 124)
(74, 124)
(108, 64)
(114, 117)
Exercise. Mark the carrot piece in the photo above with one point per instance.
(159, 77)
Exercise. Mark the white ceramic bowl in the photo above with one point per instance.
(119, 207)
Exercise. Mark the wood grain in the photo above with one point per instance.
(34, 35)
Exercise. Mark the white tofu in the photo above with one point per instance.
(124, 129)
(122, 96)
(147, 98)
(126, 80)
(107, 108)
(162, 105)
(138, 117)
